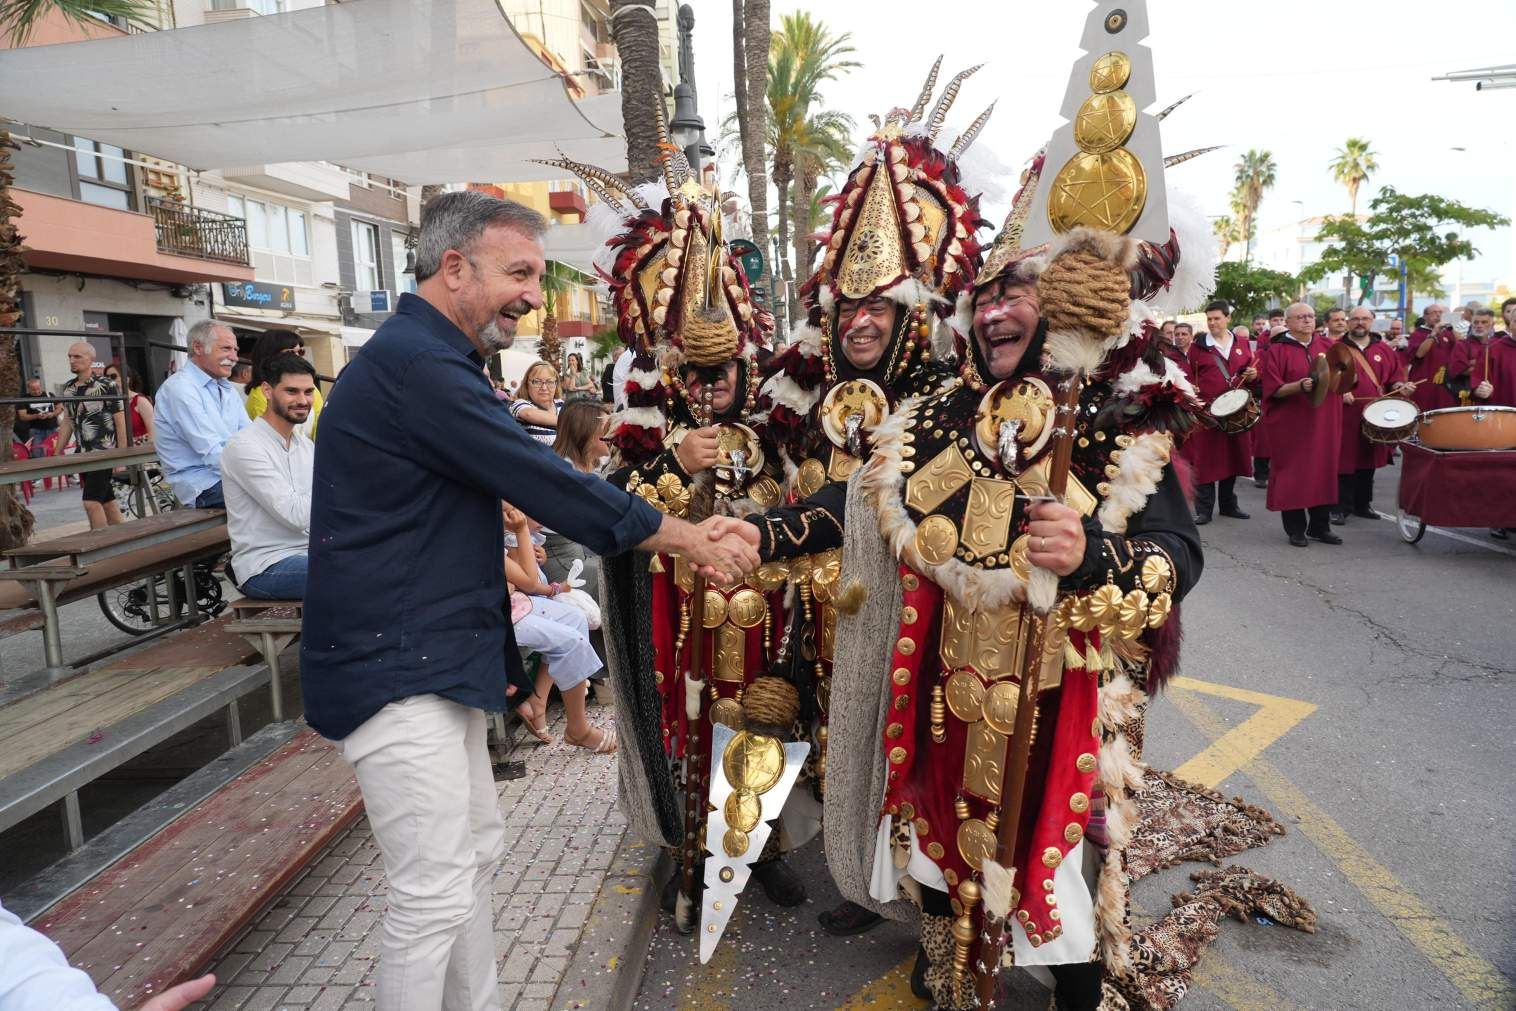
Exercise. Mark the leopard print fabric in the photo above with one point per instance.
(1181, 821)
(948, 993)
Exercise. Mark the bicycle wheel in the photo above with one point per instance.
(127, 606)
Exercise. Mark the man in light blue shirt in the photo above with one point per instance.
(197, 411)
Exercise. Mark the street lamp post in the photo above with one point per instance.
(687, 129)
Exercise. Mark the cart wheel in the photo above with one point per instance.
(1411, 528)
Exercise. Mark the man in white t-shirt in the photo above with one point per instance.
(266, 473)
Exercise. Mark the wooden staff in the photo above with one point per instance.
(1013, 780)
(695, 745)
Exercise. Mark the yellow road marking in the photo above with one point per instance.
(892, 990)
(1230, 985)
(1275, 717)
(1479, 981)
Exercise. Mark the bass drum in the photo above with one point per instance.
(1388, 420)
(1234, 412)
(1468, 428)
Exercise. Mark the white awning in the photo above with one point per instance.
(355, 336)
(300, 324)
(427, 91)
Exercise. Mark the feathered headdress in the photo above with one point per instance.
(679, 295)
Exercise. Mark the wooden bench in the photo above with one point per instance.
(158, 915)
(45, 588)
(60, 735)
(269, 626)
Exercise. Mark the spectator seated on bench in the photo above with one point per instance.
(266, 475)
(196, 413)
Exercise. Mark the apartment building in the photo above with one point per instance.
(114, 242)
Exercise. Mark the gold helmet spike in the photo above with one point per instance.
(1179, 159)
(966, 139)
(949, 95)
(1165, 113)
(1007, 247)
(919, 109)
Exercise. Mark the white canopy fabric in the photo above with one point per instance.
(428, 91)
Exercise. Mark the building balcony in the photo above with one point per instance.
(575, 328)
(188, 247)
(567, 202)
(206, 235)
(303, 180)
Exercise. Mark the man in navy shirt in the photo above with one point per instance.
(407, 631)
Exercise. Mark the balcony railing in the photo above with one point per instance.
(205, 235)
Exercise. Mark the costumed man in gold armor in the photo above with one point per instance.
(902, 246)
(1021, 543)
(684, 655)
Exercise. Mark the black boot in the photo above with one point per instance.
(848, 919)
(780, 884)
(918, 976)
(1076, 986)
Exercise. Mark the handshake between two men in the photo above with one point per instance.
(722, 548)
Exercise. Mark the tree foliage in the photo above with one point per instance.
(1253, 291)
(1421, 231)
(1352, 165)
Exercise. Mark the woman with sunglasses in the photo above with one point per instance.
(272, 343)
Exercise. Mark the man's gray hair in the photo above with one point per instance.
(456, 220)
(202, 336)
(1484, 310)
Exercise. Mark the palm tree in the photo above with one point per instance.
(750, 72)
(804, 54)
(821, 147)
(634, 29)
(1352, 166)
(557, 280)
(1255, 174)
(1225, 230)
(18, 19)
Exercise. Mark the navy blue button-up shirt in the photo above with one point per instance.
(406, 592)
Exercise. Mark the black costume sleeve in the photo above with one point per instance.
(660, 480)
(809, 526)
(1165, 527)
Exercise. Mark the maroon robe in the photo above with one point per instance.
(1260, 432)
(1215, 455)
(1431, 371)
(1303, 440)
(1494, 360)
(1384, 370)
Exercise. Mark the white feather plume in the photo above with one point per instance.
(1195, 278)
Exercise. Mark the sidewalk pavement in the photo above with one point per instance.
(574, 909)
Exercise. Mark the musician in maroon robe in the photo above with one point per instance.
(1336, 326)
(1380, 372)
(1427, 358)
(1483, 367)
(1260, 433)
(1303, 440)
(1219, 362)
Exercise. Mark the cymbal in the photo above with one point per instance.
(1344, 369)
(1321, 380)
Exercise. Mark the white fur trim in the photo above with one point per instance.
(962, 320)
(1042, 589)
(884, 482)
(1141, 468)
(692, 690)
(640, 417)
(644, 379)
(1195, 277)
(1068, 351)
(999, 883)
(781, 389)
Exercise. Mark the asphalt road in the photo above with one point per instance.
(1363, 695)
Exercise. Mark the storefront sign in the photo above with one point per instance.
(258, 295)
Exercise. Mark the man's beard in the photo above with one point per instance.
(493, 340)
(285, 414)
(1358, 334)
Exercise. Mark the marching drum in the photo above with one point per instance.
(1389, 420)
(1468, 428)
(1235, 411)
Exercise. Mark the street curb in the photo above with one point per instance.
(606, 969)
